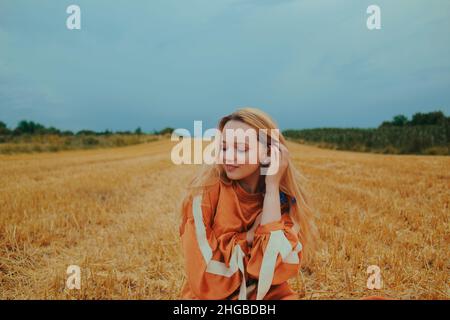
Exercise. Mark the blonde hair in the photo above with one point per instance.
(301, 212)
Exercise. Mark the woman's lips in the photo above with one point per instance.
(230, 167)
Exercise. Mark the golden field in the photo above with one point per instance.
(114, 212)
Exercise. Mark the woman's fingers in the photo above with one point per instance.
(283, 157)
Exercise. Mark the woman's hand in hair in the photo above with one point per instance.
(279, 161)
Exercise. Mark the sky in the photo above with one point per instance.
(159, 63)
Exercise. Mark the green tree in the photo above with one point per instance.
(53, 130)
(138, 131)
(399, 120)
(430, 118)
(385, 124)
(4, 129)
(107, 132)
(67, 133)
(29, 127)
(166, 130)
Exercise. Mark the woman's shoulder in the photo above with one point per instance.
(212, 191)
(213, 188)
(208, 194)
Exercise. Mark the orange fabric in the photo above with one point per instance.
(227, 213)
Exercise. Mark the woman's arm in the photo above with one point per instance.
(271, 207)
(271, 211)
(279, 163)
(276, 250)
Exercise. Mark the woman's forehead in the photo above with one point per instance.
(240, 137)
(238, 131)
(236, 124)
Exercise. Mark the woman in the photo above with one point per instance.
(244, 233)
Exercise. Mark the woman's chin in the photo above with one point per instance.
(233, 175)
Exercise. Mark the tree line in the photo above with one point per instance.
(424, 133)
(418, 119)
(25, 127)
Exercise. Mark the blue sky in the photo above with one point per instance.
(309, 63)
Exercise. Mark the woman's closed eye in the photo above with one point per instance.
(240, 149)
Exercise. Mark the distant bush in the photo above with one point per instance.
(30, 136)
(119, 142)
(165, 131)
(90, 141)
(418, 119)
(424, 134)
(54, 143)
(87, 133)
(4, 129)
(404, 140)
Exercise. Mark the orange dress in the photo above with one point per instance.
(219, 261)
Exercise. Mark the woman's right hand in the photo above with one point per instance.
(279, 166)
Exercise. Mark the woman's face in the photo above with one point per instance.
(240, 156)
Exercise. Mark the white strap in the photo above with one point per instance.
(278, 243)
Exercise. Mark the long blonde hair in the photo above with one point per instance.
(291, 185)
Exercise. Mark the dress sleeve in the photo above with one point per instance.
(214, 264)
(275, 255)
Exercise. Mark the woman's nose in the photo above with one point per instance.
(229, 156)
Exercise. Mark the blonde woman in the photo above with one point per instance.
(244, 233)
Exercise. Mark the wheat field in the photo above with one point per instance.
(114, 213)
